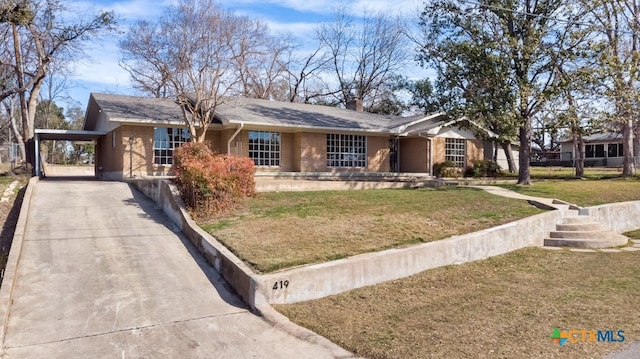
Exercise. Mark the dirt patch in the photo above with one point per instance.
(9, 213)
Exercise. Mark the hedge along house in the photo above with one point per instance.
(141, 133)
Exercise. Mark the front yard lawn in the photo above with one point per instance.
(502, 307)
(280, 230)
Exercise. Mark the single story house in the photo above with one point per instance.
(601, 149)
(136, 137)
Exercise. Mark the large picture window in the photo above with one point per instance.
(615, 150)
(455, 151)
(346, 150)
(264, 148)
(165, 140)
(594, 151)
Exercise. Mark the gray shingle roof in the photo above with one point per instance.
(288, 114)
(599, 137)
(122, 108)
(143, 109)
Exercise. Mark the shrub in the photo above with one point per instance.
(484, 168)
(211, 183)
(446, 169)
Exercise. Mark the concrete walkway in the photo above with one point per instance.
(503, 192)
(103, 274)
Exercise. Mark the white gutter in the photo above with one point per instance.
(233, 137)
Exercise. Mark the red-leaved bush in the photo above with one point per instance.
(211, 183)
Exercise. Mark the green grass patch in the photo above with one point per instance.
(502, 307)
(633, 234)
(583, 192)
(279, 230)
(593, 173)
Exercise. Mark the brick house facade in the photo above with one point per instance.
(281, 137)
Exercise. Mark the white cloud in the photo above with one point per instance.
(357, 7)
(125, 11)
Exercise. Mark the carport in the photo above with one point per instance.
(61, 135)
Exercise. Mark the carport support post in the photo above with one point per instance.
(130, 156)
(37, 155)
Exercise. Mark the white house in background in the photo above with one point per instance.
(601, 150)
(501, 160)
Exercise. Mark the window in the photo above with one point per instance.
(165, 140)
(594, 151)
(264, 148)
(346, 151)
(615, 150)
(455, 151)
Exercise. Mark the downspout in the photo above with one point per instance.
(233, 137)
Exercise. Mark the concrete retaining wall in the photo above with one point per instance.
(620, 217)
(320, 280)
(316, 281)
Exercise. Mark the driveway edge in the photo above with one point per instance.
(9, 280)
(239, 276)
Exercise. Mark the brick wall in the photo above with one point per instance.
(109, 155)
(313, 152)
(378, 154)
(296, 151)
(414, 155)
(475, 151)
(438, 149)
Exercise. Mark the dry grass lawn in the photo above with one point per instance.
(502, 307)
(280, 230)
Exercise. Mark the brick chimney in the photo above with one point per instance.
(355, 104)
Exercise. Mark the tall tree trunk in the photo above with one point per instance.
(628, 165)
(578, 148)
(508, 152)
(524, 175)
(16, 133)
(22, 96)
(636, 145)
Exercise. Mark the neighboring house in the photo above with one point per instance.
(492, 148)
(601, 149)
(140, 134)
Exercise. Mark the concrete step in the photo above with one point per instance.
(611, 241)
(575, 227)
(599, 233)
(577, 219)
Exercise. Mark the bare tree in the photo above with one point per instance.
(262, 59)
(200, 54)
(41, 37)
(365, 53)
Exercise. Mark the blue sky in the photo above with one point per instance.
(101, 72)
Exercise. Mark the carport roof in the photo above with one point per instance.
(70, 135)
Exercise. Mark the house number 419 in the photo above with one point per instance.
(280, 284)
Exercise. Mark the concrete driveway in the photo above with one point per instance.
(103, 273)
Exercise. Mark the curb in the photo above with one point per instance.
(283, 323)
(10, 278)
